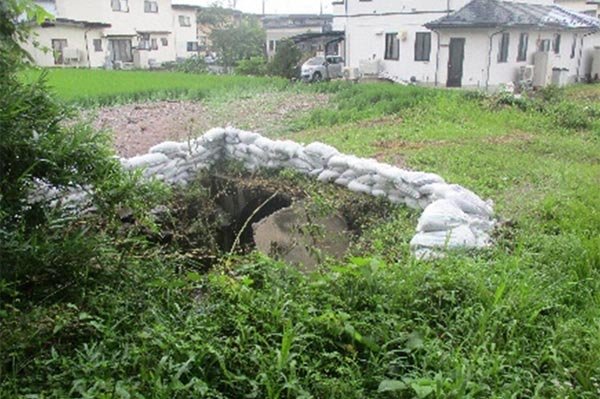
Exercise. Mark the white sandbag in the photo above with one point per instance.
(299, 165)
(287, 148)
(412, 203)
(248, 137)
(338, 162)
(322, 151)
(167, 148)
(264, 143)
(357, 187)
(471, 203)
(328, 175)
(363, 166)
(407, 189)
(396, 199)
(442, 215)
(366, 179)
(422, 178)
(144, 161)
(257, 152)
(378, 193)
(391, 172)
(343, 181)
(458, 237)
(214, 135)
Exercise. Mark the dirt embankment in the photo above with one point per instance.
(137, 127)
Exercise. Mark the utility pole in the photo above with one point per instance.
(264, 7)
(321, 12)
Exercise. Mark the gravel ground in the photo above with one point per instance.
(137, 127)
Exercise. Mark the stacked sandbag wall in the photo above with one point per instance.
(453, 216)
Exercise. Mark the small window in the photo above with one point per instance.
(144, 42)
(192, 46)
(392, 47)
(185, 20)
(150, 6)
(97, 45)
(574, 46)
(556, 44)
(544, 45)
(523, 44)
(422, 46)
(120, 5)
(154, 44)
(164, 41)
(504, 42)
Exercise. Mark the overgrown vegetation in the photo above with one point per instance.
(103, 312)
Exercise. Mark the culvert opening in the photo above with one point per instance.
(231, 212)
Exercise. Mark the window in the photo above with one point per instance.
(556, 44)
(574, 46)
(422, 46)
(120, 5)
(392, 46)
(272, 45)
(150, 6)
(144, 42)
(544, 45)
(184, 20)
(58, 45)
(154, 44)
(504, 42)
(192, 46)
(523, 44)
(120, 50)
(164, 41)
(97, 45)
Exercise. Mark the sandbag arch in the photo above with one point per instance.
(453, 217)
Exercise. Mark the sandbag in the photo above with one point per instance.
(442, 215)
(167, 148)
(144, 161)
(357, 187)
(458, 237)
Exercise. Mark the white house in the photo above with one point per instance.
(112, 33)
(278, 27)
(400, 40)
(185, 29)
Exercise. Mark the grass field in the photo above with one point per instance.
(99, 87)
(521, 320)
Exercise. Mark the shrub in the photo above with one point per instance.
(256, 66)
(193, 64)
(286, 60)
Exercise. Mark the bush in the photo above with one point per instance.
(286, 60)
(256, 66)
(193, 64)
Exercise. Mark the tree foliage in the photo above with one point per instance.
(239, 42)
(286, 59)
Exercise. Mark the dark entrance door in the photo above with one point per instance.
(455, 62)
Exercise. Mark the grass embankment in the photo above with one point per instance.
(99, 87)
(519, 320)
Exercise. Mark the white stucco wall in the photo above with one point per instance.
(184, 34)
(75, 37)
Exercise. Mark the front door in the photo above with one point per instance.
(455, 62)
(58, 45)
(120, 50)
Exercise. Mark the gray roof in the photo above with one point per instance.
(495, 13)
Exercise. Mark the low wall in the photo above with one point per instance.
(453, 217)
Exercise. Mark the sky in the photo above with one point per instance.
(272, 6)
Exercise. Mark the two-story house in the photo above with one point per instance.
(411, 40)
(113, 33)
(278, 27)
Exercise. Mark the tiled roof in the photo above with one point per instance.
(495, 13)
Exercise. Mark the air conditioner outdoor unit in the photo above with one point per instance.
(351, 74)
(71, 55)
(526, 73)
(370, 67)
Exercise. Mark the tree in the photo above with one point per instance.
(286, 59)
(235, 43)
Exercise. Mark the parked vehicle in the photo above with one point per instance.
(322, 68)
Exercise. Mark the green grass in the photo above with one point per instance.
(521, 320)
(99, 87)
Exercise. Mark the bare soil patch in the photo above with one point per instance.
(137, 127)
